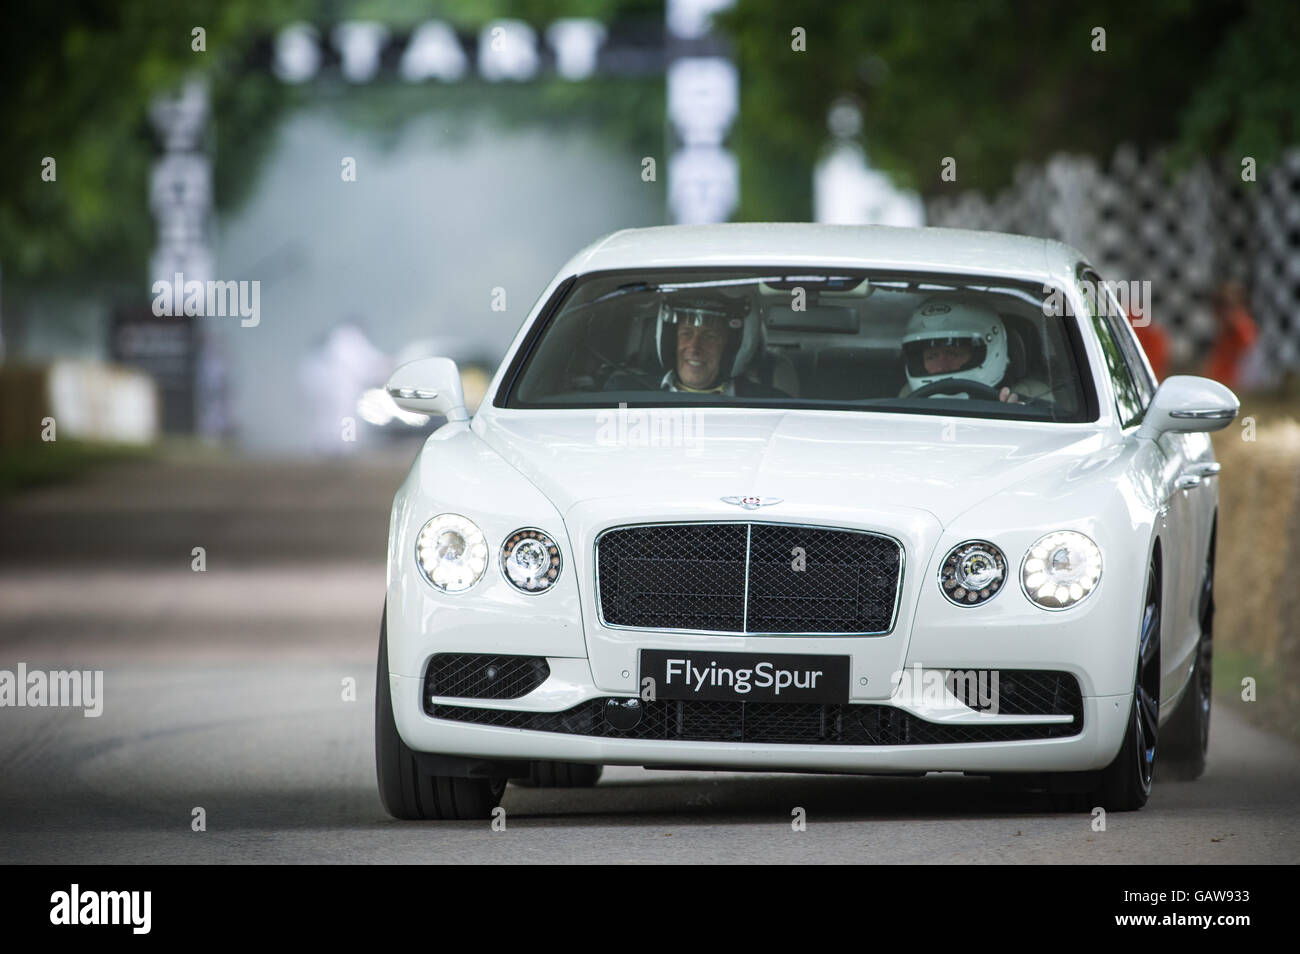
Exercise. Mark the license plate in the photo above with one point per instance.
(745, 677)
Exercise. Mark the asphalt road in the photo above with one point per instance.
(225, 690)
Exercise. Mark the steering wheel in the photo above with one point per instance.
(975, 389)
(651, 384)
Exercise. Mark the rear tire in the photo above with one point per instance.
(562, 775)
(406, 792)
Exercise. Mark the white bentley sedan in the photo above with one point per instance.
(805, 498)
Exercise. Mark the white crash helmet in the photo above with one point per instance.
(956, 322)
(717, 310)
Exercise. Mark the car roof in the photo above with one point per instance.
(964, 251)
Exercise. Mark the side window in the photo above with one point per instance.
(1128, 398)
(1123, 333)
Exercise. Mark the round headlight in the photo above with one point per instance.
(1061, 569)
(972, 573)
(452, 552)
(530, 560)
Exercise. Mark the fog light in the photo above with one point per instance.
(623, 714)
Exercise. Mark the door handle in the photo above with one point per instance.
(1187, 482)
(1209, 468)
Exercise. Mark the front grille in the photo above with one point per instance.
(477, 676)
(795, 723)
(763, 578)
(674, 576)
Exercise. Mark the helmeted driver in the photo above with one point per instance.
(955, 339)
(706, 342)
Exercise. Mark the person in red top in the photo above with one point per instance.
(1236, 335)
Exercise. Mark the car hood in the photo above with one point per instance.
(943, 466)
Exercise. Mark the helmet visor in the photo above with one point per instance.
(701, 318)
(943, 355)
(702, 312)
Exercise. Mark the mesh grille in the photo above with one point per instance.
(1018, 692)
(847, 584)
(682, 576)
(800, 579)
(476, 676)
(796, 724)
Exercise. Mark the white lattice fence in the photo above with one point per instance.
(1184, 234)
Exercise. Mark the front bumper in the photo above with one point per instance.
(1104, 719)
(587, 660)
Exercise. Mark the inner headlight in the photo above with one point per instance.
(452, 552)
(531, 561)
(972, 573)
(1061, 569)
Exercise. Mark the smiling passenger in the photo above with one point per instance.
(707, 342)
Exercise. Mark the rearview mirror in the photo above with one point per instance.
(429, 386)
(1186, 403)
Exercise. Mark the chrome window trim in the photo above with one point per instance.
(750, 524)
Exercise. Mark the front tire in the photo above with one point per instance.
(1125, 784)
(406, 792)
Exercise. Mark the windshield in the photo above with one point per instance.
(801, 338)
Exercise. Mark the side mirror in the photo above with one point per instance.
(1186, 403)
(429, 386)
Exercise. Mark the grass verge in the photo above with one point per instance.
(26, 466)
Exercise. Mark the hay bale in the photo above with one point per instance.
(1256, 593)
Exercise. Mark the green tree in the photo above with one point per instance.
(80, 75)
(995, 83)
